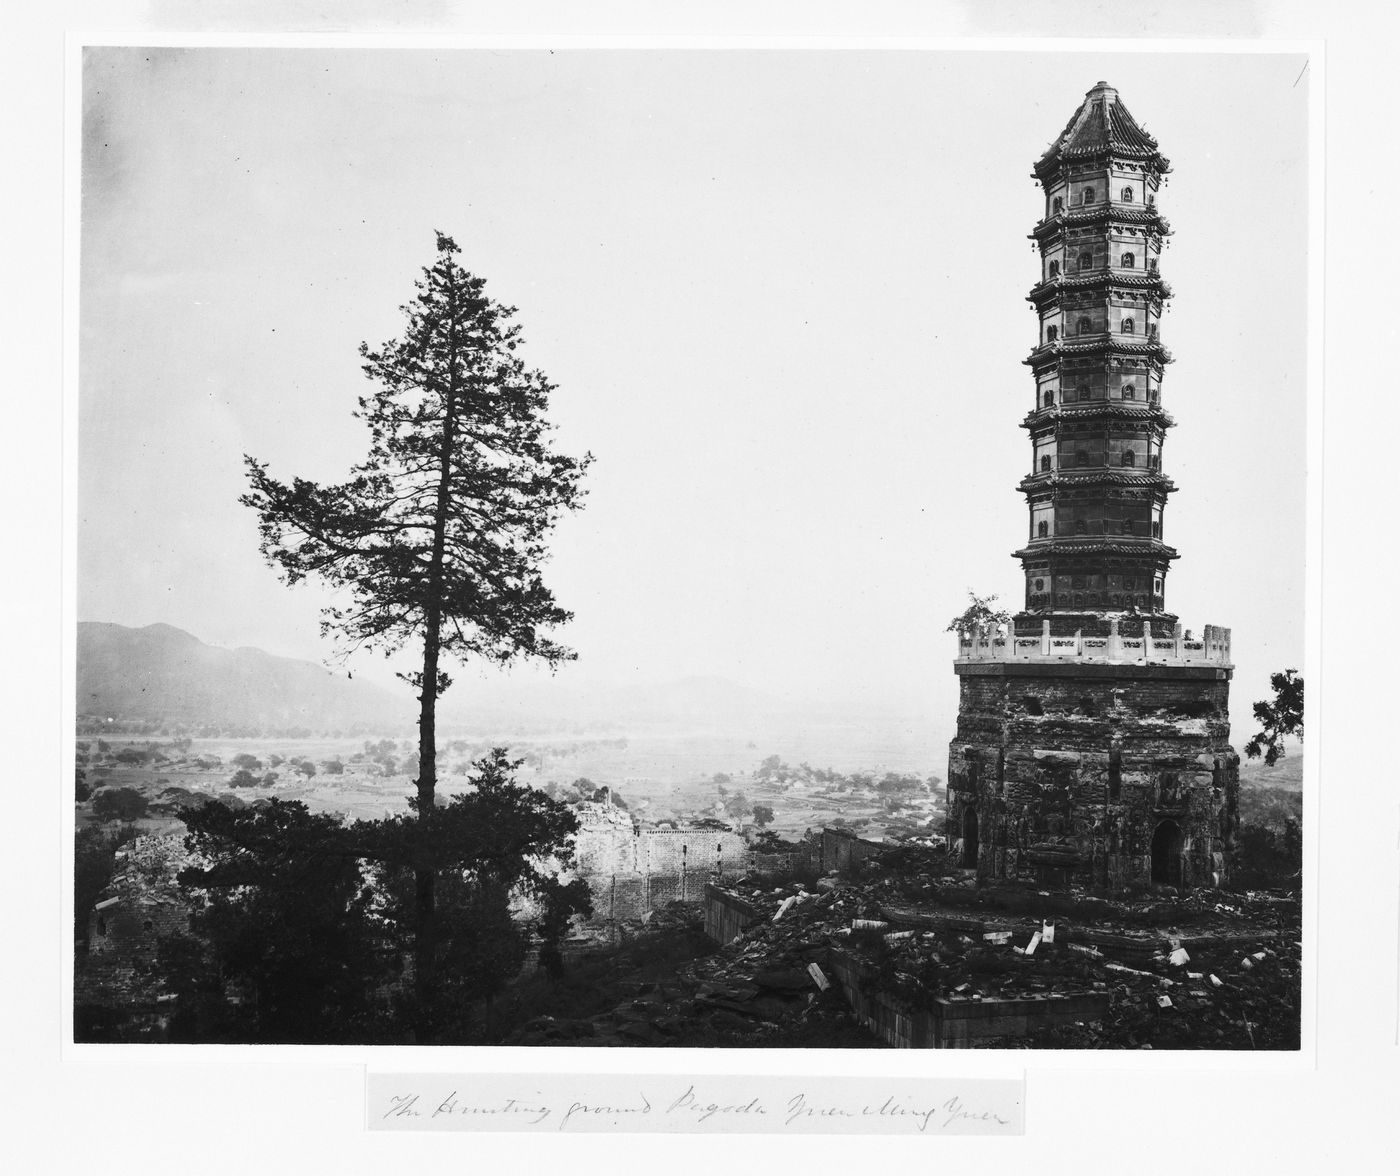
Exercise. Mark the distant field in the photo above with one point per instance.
(1286, 774)
(661, 775)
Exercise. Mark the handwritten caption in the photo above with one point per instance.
(652, 1103)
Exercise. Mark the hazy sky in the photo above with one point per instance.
(782, 294)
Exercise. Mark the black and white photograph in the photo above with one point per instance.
(691, 548)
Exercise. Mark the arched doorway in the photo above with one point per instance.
(969, 836)
(1167, 844)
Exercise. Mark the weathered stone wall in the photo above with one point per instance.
(1113, 775)
(631, 869)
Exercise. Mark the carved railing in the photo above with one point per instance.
(981, 644)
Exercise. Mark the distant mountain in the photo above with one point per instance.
(163, 673)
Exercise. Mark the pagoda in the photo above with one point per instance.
(1093, 732)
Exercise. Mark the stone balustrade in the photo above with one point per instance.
(981, 645)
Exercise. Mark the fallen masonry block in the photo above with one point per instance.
(818, 976)
(1000, 937)
(1085, 949)
(965, 1020)
(1047, 932)
(783, 908)
(1123, 968)
(1033, 944)
(892, 936)
(1217, 981)
(1164, 1001)
(868, 924)
(1179, 957)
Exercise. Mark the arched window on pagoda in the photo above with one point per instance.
(1054, 269)
(1080, 527)
(1129, 261)
(1045, 464)
(1127, 526)
(1086, 260)
(1049, 397)
(1128, 326)
(1152, 330)
(1152, 396)
(1081, 457)
(1127, 195)
(1151, 201)
(1051, 334)
(1157, 534)
(1042, 531)
(1129, 392)
(1129, 457)
(1082, 391)
(1085, 326)
(1088, 197)
(1057, 205)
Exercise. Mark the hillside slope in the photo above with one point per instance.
(163, 673)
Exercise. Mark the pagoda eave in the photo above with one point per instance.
(1062, 545)
(1044, 419)
(1049, 353)
(1142, 219)
(1041, 293)
(1082, 478)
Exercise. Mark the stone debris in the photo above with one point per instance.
(923, 939)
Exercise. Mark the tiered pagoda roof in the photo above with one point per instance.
(1101, 126)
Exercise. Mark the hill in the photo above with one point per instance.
(163, 674)
(1287, 774)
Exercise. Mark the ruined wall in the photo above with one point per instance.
(142, 904)
(632, 869)
(1106, 774)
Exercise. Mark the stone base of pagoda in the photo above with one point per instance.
(1111, 776)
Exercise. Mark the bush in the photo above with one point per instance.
(119, 804)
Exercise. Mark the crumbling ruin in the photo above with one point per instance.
(1093, 732)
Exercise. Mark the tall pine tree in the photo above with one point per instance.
(438, 536)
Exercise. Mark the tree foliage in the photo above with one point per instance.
(119, 804)
(1278, 718)
(979, 612)
(438, 535)
(305, 924)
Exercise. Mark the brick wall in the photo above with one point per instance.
(631, 870)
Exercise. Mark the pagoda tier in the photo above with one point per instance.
(1096, 493)
(1092, 746)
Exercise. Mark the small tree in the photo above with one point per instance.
(438, 536)
(119, 804)
(762, 815)
(1278, 717)
(980, 611)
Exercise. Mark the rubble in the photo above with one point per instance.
(927, 944)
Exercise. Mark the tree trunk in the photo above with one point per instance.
(425, 936)
(425, 880)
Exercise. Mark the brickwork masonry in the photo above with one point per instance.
(631, 868)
